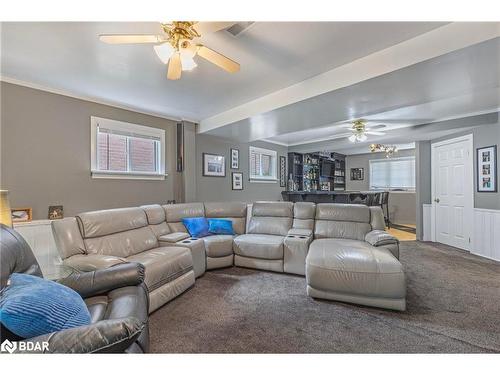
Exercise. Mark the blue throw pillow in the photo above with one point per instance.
(196, 226)
(31, 306)
(220, 226)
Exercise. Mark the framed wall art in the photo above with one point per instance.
(282, 171)
(237, 181)
(235, 158)
(214, 165)
(487, 169)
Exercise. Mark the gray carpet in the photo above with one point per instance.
(453, 306)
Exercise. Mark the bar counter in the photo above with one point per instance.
(344, 196)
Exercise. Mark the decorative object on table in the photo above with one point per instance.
(214, 165)
(56, 212)
(282, 171)
(237, 181)
(357, 174)
(171, 201)
(21, 215)
(487, 169)
(235, 158)
(5, 212)
(389, 150)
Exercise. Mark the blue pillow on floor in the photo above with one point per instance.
(196, 226)
(31, 306)
(220, 226)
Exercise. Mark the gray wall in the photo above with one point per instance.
(218, 188)
(423, 181)
(45, 154)
(402, 205)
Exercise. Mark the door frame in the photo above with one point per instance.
(470, 167)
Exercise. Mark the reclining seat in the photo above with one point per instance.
(157, 223)
(219, 248)
(101, 239)
(262, 246)
(352, 259)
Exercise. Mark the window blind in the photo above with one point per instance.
(397, 173)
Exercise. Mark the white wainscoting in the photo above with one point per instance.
(486, 237)
(38, 234)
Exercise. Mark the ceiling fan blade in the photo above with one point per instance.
(130, 38)
(211, 27)
(220, 60)
(174, 67)
(374, 133)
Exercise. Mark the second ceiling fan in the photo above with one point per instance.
(179, 44)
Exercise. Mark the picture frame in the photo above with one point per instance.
(56, 213)
(214, 165)
(282, 171)
(21, 215)
(235, 158)
(357, 174)
(486, 169)
(237, 181)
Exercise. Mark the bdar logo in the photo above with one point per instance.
(8, 346)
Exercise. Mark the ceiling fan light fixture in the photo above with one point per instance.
(352, 138)
(164, 51)
(188, 63)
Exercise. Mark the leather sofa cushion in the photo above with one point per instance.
(160, 229)
(154, 213)
(343, 212)
(263, 246)
(304, 210)
(105, 222)
(176, 212)
(354, 267)
(174, 237)
(163, 264)
(218, 245)
(341, 229)
(225, 209)
(278, 226)
(274, 209)
(122, 244)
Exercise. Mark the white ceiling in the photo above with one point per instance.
(68, 57)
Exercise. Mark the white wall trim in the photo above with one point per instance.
(486, 239)
(91, 99)
(470, 139)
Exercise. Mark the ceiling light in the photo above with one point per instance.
(352, 138)
(188, 63)
(164, 52)
(355, 138)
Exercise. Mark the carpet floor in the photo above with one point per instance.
(453, 306)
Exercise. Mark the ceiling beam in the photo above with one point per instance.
(437, 42)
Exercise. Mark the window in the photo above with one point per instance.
(123, 150)
(262, 164)
(397, 173)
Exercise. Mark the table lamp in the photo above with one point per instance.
(5, 214)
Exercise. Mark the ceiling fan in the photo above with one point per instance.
(179, 44)
(359, 130)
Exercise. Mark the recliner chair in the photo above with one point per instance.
(116, 297)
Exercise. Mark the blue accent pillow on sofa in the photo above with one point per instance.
(31, 306)
(220, 226)
(196, 226)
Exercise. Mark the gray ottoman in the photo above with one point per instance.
(355, 272)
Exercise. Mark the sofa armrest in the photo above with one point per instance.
(92, 262)
(173, 237)
(300, 232)
(380, 238)
(92, 283)
(105, 336)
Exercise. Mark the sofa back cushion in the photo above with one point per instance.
(120, 232)
(174, 213)
(350, 221)
(271, 218)
(234, 211)
(156, 219)
(303, 215)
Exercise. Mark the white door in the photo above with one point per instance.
(453, 191)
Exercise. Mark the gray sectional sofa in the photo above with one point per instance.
(342, 250)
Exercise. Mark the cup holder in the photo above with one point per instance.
(291, 236)
(186, 241)
(302, 237)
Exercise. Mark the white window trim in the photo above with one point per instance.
(381, 160)
(126, 127)
(260, 179)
